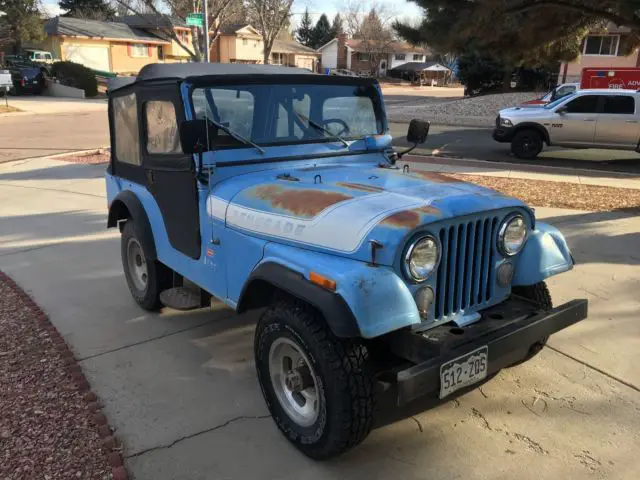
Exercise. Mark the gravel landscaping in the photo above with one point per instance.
(90, 158)
(471, 111)
(542, 193)
(49, 425)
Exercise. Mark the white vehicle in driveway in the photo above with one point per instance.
(6, 83)
(607, 119)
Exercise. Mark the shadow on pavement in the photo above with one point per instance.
(60, 171)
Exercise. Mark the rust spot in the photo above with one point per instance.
(436, 177)
(361, 187)
(428, 209)
(302, 202)
(403, 219)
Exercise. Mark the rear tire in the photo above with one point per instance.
(329, 379)
(527, 144)
(539, 293)
(146, 278)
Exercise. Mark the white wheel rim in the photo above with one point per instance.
(137, 264)
(294, 382)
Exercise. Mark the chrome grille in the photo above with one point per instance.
(465, 273)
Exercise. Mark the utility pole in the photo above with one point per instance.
(205, 22)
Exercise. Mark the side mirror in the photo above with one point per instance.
(418, 131)
(562, 110)
(195, 135)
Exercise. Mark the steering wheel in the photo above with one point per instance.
(342, 123)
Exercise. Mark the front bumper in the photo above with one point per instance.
(509, 330)
(503, 134)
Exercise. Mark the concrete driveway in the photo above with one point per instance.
(181, 391)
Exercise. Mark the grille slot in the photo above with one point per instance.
(465, 274)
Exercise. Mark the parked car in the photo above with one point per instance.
(27, 76)
(6, 83)
(554, 94)
(607, 119)
(282, 193)
(38, 56)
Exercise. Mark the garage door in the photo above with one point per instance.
(305, 63)
(90, 56)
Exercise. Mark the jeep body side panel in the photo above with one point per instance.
(127, 201)
(378, 298)
(545, 254)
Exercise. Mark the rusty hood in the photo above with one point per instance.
(340, 209)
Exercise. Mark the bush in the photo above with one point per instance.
(76, 75)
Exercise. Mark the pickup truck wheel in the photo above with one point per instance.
(527, 144)
(318, 388)
(539, 293)
(146, 278)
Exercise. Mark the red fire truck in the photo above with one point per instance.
(623, 78)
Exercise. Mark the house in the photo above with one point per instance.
(106, 46)
(352, 54)
(601, 48)
(241, 43)
(163, 26)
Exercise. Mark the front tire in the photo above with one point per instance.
(538, 293)
(146, 278)
(318, 388)
(527, 144)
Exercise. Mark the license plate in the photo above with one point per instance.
(463, 371)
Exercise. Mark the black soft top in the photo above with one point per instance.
(218, 71)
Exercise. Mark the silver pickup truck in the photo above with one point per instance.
(608, 119)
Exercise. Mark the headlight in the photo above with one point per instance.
(505, 122)
(422, 258)
(512, 235)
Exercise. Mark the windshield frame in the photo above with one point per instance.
(222, 81)
(555, 103)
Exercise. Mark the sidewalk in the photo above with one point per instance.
(512, 170)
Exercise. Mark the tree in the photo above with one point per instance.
(516, 36)
(373, 31)
(269, 17)
(91, 9)
(221, 12)
(20, 23)
(304, 31)
(337, 28)
(321, 33)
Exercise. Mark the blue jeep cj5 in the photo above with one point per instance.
(274, 188)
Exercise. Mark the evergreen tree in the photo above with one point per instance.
(337, 27)
(305, 30)
(90, 9)
(20, 23)
(321, 33)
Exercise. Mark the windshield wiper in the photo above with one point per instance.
(235, 135)
(317, 126)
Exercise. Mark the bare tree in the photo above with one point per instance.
(220, 11)
(372, 27)
(269, 17)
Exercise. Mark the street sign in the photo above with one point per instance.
(195, 19)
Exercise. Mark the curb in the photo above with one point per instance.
(110, 444)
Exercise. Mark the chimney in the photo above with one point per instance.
(342, 50)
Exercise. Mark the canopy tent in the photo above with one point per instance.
(422, 72)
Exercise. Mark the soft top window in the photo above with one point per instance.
(125, 121)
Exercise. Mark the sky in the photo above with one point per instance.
(400, 8)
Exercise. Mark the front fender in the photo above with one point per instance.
(378, 299)
(545, 254)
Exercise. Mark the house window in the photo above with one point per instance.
(400, 56)
(363, 57)
(125, 121)
(162, 127)
(139, 50)
(245, 41)
(278, 58)
(418, 57)
(601, 45)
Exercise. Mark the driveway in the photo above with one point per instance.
(52, 126)
(181, 391)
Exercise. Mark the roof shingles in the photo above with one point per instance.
(79, 27)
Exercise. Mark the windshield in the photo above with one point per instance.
(271, 114)
(557, 102)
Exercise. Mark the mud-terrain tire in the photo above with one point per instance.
(527, 144)
(146, 278)
(337, 369)
(539, 293)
